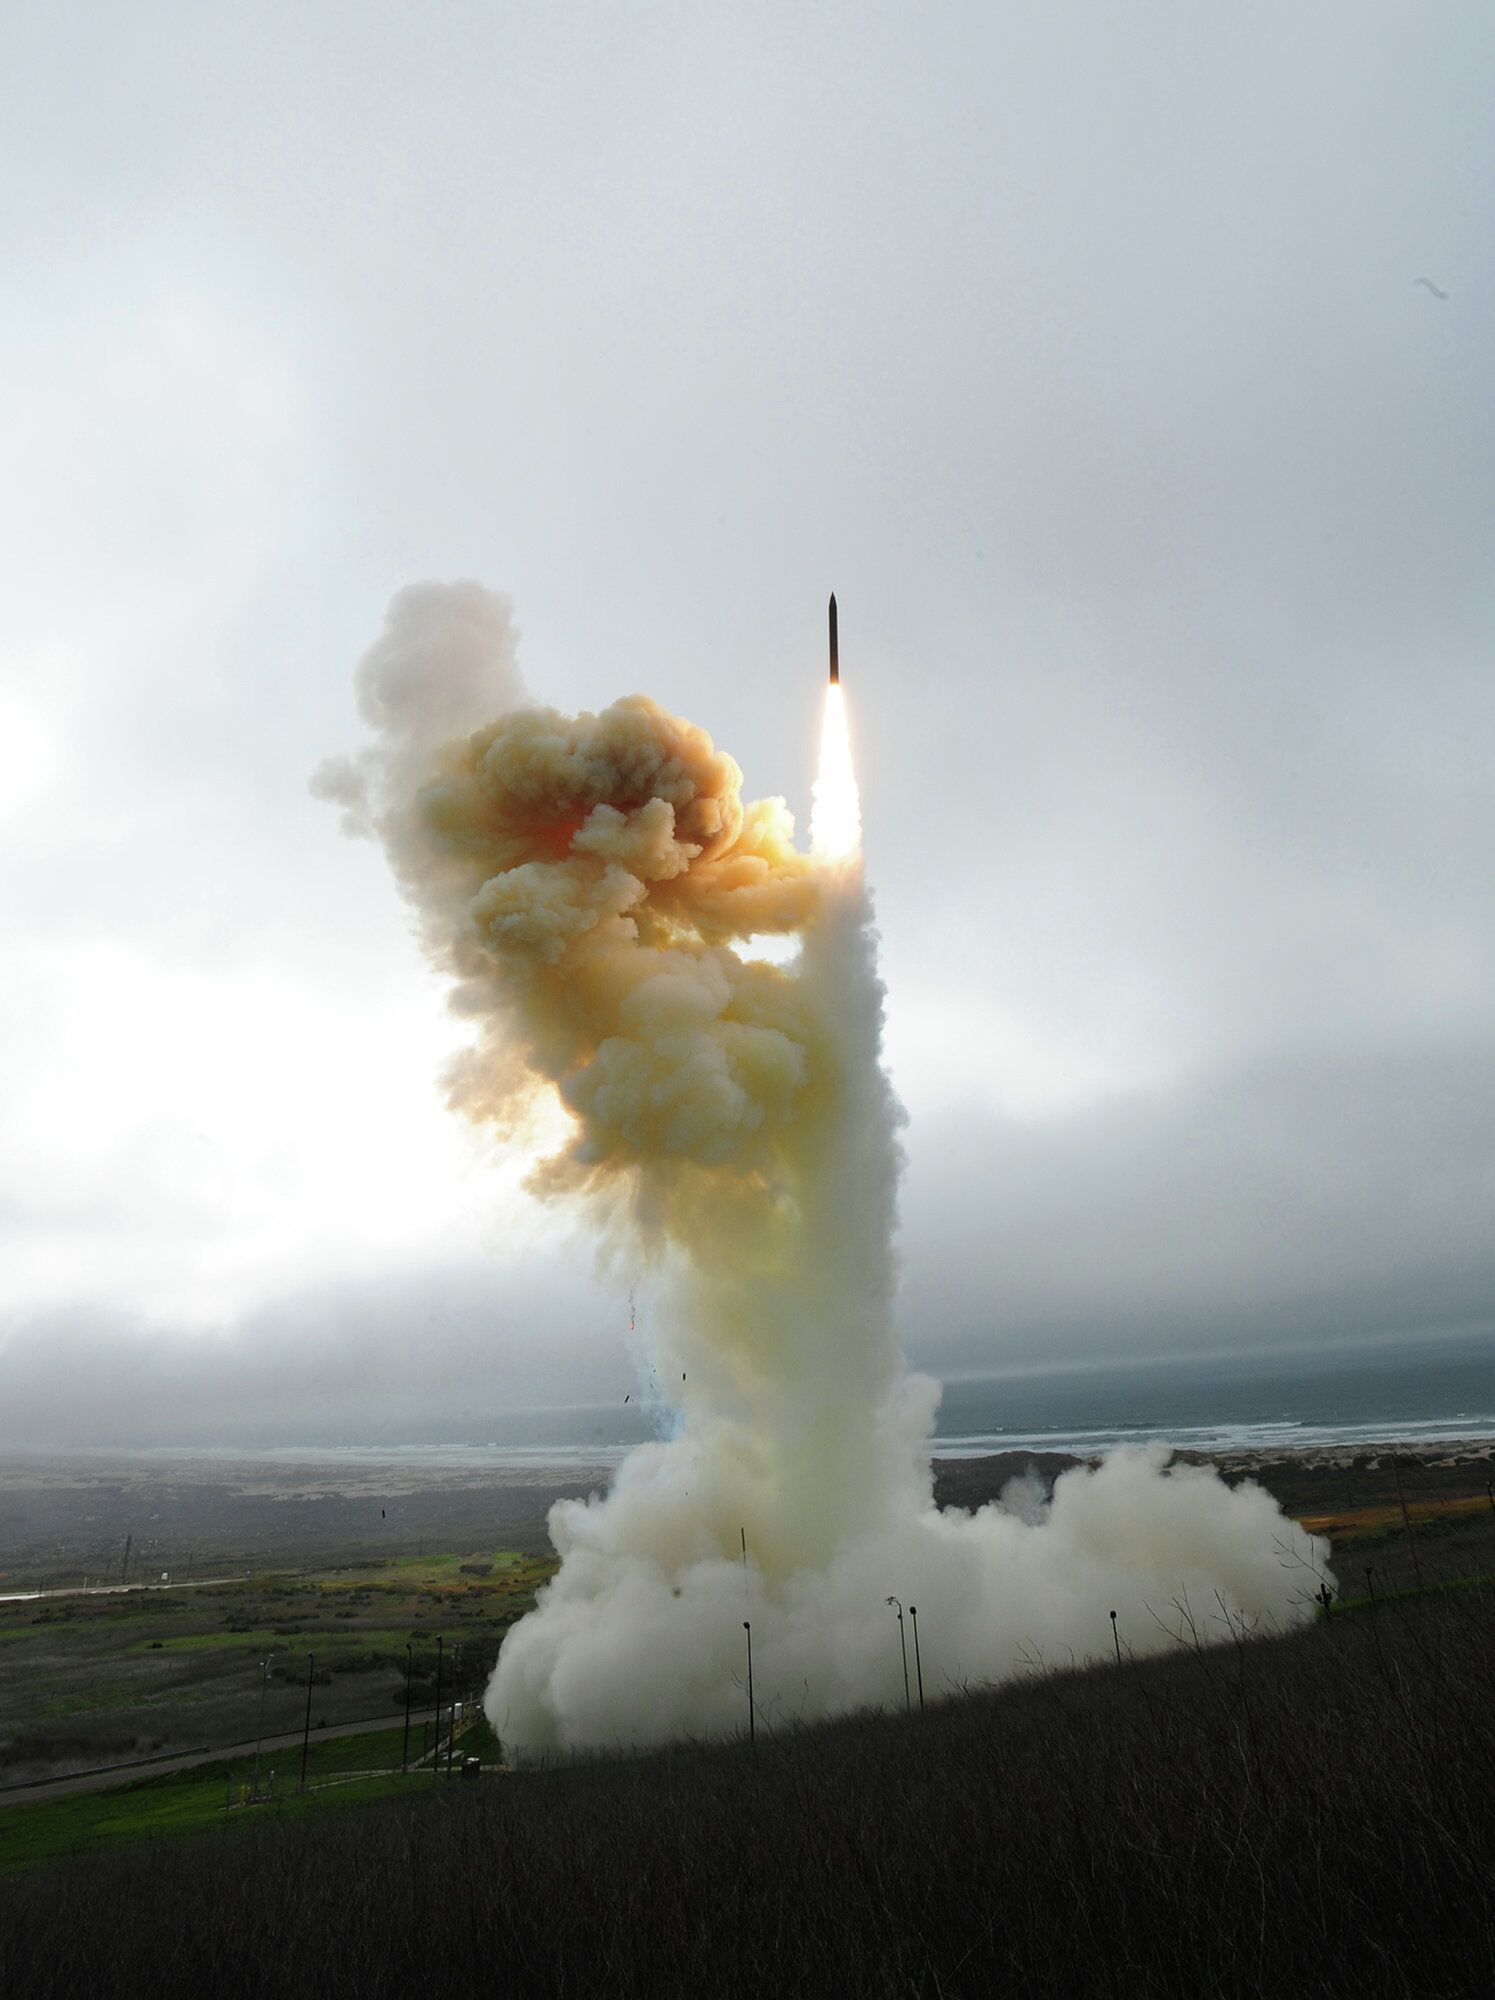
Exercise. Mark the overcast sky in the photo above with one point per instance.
(1080, 349)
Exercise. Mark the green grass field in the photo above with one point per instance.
(214, 1798)
(272, 1640)
(100, 1680)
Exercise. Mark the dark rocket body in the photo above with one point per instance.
(835, 654)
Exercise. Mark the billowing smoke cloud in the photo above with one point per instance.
(589, 883)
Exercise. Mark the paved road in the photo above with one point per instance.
(128, 1774)
(121, 1589)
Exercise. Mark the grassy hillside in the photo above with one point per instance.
(92, 1680)
(1299, 1817)
(239, 1795)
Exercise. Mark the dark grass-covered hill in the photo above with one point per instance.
(1312, 1816)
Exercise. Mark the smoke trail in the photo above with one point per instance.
(585, 882)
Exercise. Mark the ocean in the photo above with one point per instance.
(1418, 1390)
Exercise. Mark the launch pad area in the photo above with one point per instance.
(199, 1573)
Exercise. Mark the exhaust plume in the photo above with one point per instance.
(588, 884)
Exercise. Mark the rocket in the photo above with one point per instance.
(835, 654)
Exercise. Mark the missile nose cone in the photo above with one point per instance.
(835, 653)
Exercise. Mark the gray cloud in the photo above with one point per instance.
(1271, 1206)
(451, 1353)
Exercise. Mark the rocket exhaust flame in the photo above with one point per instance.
(586, 883)
(836, 808)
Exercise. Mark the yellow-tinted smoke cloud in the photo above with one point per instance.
(586, 883)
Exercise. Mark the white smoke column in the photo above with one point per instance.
(586, 881)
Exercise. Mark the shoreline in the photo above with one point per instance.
(1307, 1479)
(118, 1516)
(372, 1467)
(356, 1474)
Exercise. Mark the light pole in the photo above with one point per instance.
(405, 1744)
(913, 1612)
(436, 1750)
(259, 1733)
(752, 1730)
(451, 1734)
(311, 1661)
(903, 1649)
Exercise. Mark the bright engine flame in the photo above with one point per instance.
(836, 806)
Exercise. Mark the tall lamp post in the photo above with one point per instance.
(259, 1732)
(311, 1661)
(436, 1751)
(908, 1700)
(451, 1734)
